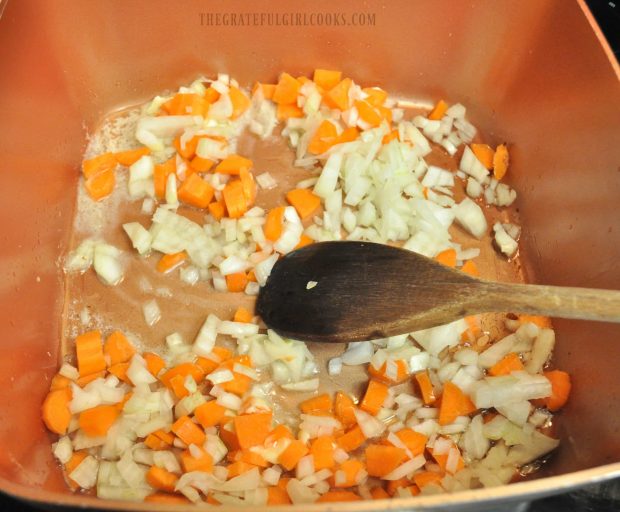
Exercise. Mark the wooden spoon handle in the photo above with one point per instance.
(563, 302)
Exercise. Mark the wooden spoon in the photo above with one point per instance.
(351, 291)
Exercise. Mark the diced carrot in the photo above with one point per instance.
(484, 153)
(284, 112)
(242, 315)
(303, 241)
(55, 410)
(317, 403)
(385, 113)
(442, 460)
(154, 363)
(351, 440)
(160, 479)
(277, 496)
(195, 191)
(351, 469)
(540, 321)
(211, 95)
(335, 496)
(89, 353)
(183, 370)
(169, 262)
(177, 385)
(447, 258)
(501, 160)
(348, 135)
(187, 431)
(160, 176)
(223, 353)
(379, 493)
(402, 373)
(187, 148)
(394, 485)
(426, 478)
(322, 450)
(249, 457)
(375, 395)
(82, 381)
(239, 101)
(236, 282)
(560, 389)
(283, 482)
(382, 459)
(119, 370)
(473, 331)
(469, 267)
(155, 443)
(217, 209)
(376, 96)
(131, 156)
(75, 460)
(118, 349)
(438, 111)
(182, 104)
(426, 387)
(249, 185)
(414, 441)
(60, 382)
(238, 468)
(279, 432)
(211, 500)
(368, 113)
(232, 165)
(165, 498)
(454, 403)
(200, 164)
(393, 135)
(229, 436)
(326, 79)
(100, 185)
(202, 463)
(286, 90)
(267, 89)
(252, 429)
(97, 421)
(510, 363)
(304, 201)
(325, 137)
(274, 223)
(98, 164)
(210, 413)
(344, 409)
(338, 96)
(234, 198)
(290, 457)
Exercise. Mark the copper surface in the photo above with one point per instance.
(534, 74)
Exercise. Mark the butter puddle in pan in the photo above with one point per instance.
(325, 462)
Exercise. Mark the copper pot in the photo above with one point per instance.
(537, 73)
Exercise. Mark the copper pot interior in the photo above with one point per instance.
(537, 79)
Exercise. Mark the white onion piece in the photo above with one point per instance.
(406, 468)
(151, 312)
(229, 401)
(139, 236)
(138, 373)
(263, 269)
(359, 352)
(506, 244)
(69, 371)
(205, 340)
(300, 493)
(63, 450)
(81, 259)
(471, 217)
(304, 385)
(541, 351)
(370, 426)
(106, 262)
(334, 366)
(85, 474)
(237, 329)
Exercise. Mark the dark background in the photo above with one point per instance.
(598, 498)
